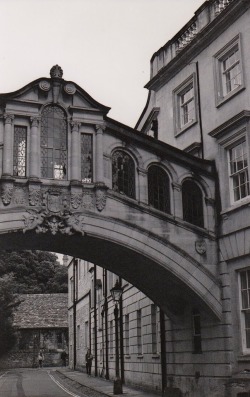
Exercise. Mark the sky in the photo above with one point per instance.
(104, 46)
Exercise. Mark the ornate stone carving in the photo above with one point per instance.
(70, 88)
(19, 197)
(75, 125)
(35, 196)
(34, 121)
(55, 200)
(44, 85)
(201, 247)
(56, 72)
(76, 200)
(8, 118)
(7, 192)
(101, 197)
(44, 222)
(88, 200)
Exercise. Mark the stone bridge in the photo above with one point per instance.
(75, 181)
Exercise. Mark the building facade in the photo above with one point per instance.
(92, 326)
(41, 323)
(199, 101)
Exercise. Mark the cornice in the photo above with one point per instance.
(207, 35)
(230, 124)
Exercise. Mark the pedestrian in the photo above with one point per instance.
(88, 359)
(40, 358)
(64, 358)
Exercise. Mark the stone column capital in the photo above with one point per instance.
(100, 128)
(8, 118)
(34, 121)
(75, 125)
(176, 186)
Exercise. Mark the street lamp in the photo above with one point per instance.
(116, 293)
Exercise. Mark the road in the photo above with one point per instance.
(33, 383)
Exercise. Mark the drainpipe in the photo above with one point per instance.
(163, 354)
(74, 309)
(121, 334)
(199, 108)
(95, 321)
(106, 323)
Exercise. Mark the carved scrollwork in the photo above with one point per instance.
(101, 197)
(88, 200)
(44, 222)
(44, 85)
(35, 196)
(76, 200)
(19, 196)
(7, 192)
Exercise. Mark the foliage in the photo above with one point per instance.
(8, 302)
(34, 272)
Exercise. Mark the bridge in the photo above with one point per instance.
(77, 182)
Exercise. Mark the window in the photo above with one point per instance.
(53, 143)
(86, 158)
(192, 203)
(158, 189)
(19, 151)
(126, 339)
(238, 168)
(185, 104)
(139, 332)
(154, 328)
(245, 306)
(228, 69)
(123, 174)
(196, 332)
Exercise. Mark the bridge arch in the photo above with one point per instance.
(164, 272)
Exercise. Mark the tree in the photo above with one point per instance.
(8, 301)
(34, 272)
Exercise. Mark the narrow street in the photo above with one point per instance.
(35, 383)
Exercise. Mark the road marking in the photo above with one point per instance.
(62, 387)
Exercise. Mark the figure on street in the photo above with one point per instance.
(88, 359)
(40, 359)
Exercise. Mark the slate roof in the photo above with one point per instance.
(42, 311)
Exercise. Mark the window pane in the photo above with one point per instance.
(86, 158)
(19, 151)
(192, 202)
(239, 171)
(123, 174)
(158, 189)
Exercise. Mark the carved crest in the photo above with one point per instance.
(201, 247)
(19, 197)
(7, 192)
(56, 201)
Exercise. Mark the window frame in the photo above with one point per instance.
(131, 185)
(245, 349)
(220, 96)
(15, 160)
(232, 175)
(164, 205)
(177, 94)
(190, 180)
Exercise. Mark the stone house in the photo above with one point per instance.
(41, 322)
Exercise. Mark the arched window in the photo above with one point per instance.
(53, 143)
(123, 173)
(192, 203)
(158, 189)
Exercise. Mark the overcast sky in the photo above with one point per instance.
(104, 46)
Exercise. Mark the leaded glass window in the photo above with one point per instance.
(158, 189)
(53, 143)
(192, 202)
(86, 158)
(123, 173)
(19, 151)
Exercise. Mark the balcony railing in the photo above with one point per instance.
(220, 5)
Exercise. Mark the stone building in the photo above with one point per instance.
(92, 326)
(41, 322)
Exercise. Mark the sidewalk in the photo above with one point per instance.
(102, 385)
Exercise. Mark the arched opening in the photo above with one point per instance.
(123, 173)
(158, 189)
(192, 203)
(53, 143)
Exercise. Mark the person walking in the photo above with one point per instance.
(40, 359)
(88, 359)
(64, 358)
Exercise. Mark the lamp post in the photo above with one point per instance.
(116, 293)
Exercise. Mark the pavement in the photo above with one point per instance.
(102, 385)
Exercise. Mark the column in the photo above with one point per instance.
(177, 207)
(34, 149)
(75, 152)
(99, 153)
(7, 145)
(143, 185)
